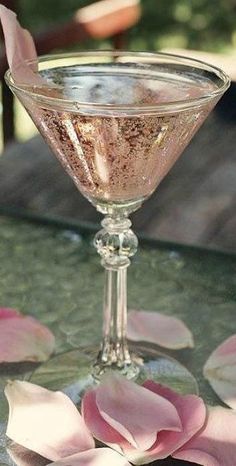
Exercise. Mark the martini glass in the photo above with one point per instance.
(117, 121)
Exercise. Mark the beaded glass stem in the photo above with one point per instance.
(115, 243)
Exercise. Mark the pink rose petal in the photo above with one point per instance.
(46, 422)
(160, 329)
(96, 424)
(95, 457)
(220, 371)
(216, 444)
(135, 412)
(192, 413)
(129, 405)
(19, 48)
(128, 417)
(23, 338)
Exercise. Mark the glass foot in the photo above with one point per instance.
(129, 370)
(71, 371)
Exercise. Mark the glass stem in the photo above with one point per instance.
(116, 242)
(115, 348)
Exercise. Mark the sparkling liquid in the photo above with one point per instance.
(115, 156)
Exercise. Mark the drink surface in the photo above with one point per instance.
(112, 154)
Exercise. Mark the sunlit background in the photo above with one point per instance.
(198, 24)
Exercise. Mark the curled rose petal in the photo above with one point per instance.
(46, 422)
(220, 371)
(19, 48)
(216, 443)
(94, 457)
(192, 413)
(129, 417)
(135, 412)
(23, 338)
(160, 329)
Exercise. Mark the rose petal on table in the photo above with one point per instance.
(220, 371)
(19, 48)
(23, 338)
(192, 413)
(100, 429)
(134, 412)
(45, 422)
(163, 330)
(94, 457)
(215, 445)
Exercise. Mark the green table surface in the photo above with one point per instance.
(50, 270)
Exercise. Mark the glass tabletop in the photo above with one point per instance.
(50, 270)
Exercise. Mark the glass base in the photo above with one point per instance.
(71, 372)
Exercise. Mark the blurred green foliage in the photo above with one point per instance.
(196, 24)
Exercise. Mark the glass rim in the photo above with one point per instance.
(166, 106)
